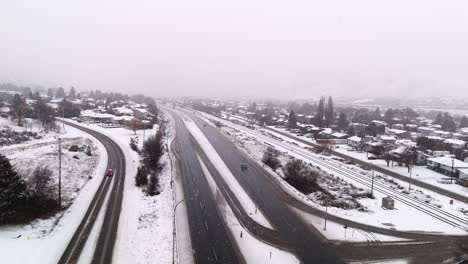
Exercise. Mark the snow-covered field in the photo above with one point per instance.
(403, 218)
(146, 223)
(45, 239)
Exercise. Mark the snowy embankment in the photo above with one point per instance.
(403, 218)
(46, 239)
(146, 223)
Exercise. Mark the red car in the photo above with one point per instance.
(109, 173)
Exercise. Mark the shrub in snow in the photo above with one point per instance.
(152, 188)
(270, 158)
(42, 191)
(141, 177)
(13, 193)
(134, 143)
(73, 148)
(301, 176)
(88, 151)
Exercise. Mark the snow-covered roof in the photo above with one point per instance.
(92, 114)
(378, 122)
(338, 134)
(354, 138)
(5, 109)
(464, 130)
(426, 128)
(453, 141)
(125, 118)
(53, 105)
(385, 137)
(123, 110)
(447, 161)
(396, 131)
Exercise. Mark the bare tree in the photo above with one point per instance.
(134, 125)
(41, 183)
(18, 108)
(270, 158)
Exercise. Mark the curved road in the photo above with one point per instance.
(106, 240)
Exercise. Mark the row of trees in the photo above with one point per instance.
(447, 123)
(41, 111)
(324, 117)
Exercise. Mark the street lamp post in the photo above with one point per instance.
(60, 172)
(372, 184)
(326, 216)
(173, 231)
(451, 174)
(410, 174)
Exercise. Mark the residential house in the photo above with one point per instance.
(398, 133)
(446, 165)
(387, 139)
(354, 142)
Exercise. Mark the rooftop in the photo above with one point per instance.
(447, 161)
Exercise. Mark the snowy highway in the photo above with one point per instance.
(107, 235)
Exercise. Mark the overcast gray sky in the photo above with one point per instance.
(254, 48)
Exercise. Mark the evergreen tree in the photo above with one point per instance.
(50, 93)
(252, 107)
(342, 121)
(60, 93)
(13, 192)
(388, 116)
(463, 122)
(292, 121)
(439, 119)
(72, 93)
(376, 115)
(448, 124)
(319, 117)
(329, 113)
(68, 109)
(92, 94)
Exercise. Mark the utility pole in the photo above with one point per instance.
(326, 216)
(372, 185)
(63, 119)
(451, 174)
(144, 131)
(60, 172)
(410, 174)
